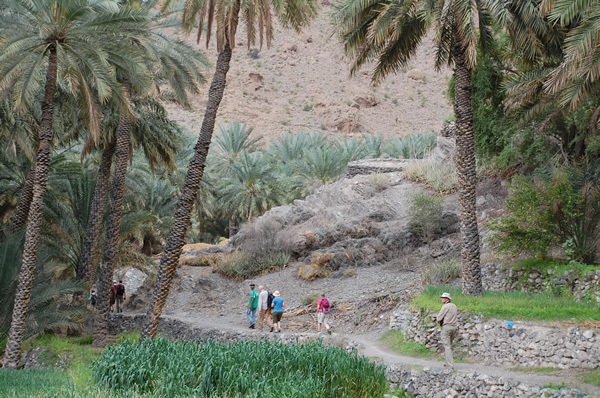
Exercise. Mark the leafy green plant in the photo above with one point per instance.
(425, 213)
(249, 369)
(559, 210)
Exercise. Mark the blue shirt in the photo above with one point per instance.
(278, 304)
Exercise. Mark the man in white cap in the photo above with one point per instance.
(448, 320)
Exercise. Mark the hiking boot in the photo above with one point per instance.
(271, 329)
(251, 326)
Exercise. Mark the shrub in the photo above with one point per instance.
(244, 265)
(425, 212)
(245, 369)
(441, 273)
(441, 177)
(379, 182)
(557, 211)
(318, 267)
(254, 53)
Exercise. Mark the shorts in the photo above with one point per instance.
(277, 316)
(322, 317)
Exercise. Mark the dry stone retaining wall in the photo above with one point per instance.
(495, 343)
(434, 383)
(496, 277)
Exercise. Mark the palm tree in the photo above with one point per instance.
(578, 76)
(388, 33)
(167, 62)
(37, 38)
(225, 15)
(249, 188)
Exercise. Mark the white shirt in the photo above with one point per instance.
(262, 299)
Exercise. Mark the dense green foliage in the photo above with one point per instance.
(425, 212)
(250, 369)
(510, 305)
(559, 210)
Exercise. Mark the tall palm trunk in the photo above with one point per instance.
(181, 222)
(34, 219)
(467, 173)
(19, 217)
(87, 266)
(117, 192)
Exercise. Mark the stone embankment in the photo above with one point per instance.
(437, 383)
(493, 342)
(582, 285)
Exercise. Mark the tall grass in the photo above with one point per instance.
(395, 340)
(247, 369)
(511, 305)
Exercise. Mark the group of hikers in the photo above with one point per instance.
(117, 296)
(269, 307)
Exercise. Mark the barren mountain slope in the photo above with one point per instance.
(302, 83)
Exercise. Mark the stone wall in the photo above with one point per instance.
(495, 343)
(496, 277)
(433, 383)
(177, 330)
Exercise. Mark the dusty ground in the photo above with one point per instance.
(362, 300)
(302, 84)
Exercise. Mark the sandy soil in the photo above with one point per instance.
(302, 84)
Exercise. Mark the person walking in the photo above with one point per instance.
(120, 295)
(252, 306)
(264, 310)
(448, 320)
(113, 295)
(277, 305)
(323, 307)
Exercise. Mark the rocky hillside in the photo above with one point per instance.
(302, 83)
(356, 229)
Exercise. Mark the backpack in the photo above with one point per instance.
(120, 290)
(269, 299)
(325, 305)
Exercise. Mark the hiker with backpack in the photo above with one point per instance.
(323, 307)
(120, 295)
(265, 298)
(277, 305)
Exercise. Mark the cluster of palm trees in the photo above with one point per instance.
(553, 54)
(88, 72)
(91, 65)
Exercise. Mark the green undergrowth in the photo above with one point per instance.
(510, 305)
(395, 341)
(556, 267)
(166, 368)
(591, 377)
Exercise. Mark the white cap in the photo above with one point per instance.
(446, 295)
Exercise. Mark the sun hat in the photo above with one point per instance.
(276, 293)
(446, 295)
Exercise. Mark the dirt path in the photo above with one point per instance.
(372, 348)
